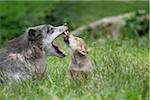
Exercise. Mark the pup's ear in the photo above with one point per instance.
(82, 50)
(31, 34)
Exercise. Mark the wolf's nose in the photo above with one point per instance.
(65, 24)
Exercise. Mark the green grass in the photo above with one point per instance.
(120, 73)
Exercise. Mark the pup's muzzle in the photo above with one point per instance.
(66, 37)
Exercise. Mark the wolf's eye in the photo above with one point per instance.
(50, 30)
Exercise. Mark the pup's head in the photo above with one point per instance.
(43, 37)
(76, 44)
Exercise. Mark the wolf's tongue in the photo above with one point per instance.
(58, 50)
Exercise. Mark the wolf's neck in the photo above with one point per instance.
(77, 58)
(74, 60)
(18, 44)
(37, 58)
(34, 53)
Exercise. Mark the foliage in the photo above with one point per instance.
(63, 12)
(19, 17)
(16, 16)
(138, 24)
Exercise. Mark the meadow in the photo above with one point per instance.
(121, 72)
(121, 66)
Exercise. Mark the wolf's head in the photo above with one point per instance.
(76, 44)
(43, 37)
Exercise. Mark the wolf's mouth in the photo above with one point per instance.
(57, 49)
(66, 37)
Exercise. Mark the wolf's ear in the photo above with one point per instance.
(31, 34)
(82, 50)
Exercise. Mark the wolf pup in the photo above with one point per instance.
(26, 55)
(80, 64)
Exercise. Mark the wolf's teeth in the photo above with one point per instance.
(66, 33)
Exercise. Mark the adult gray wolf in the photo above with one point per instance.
(25, 57)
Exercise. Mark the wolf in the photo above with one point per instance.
(25, 56)
(80, 64)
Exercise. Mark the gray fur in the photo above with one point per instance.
(25, 57)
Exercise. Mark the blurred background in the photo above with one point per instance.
(15, 17)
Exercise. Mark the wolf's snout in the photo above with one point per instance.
(63, 29)
(65, 24)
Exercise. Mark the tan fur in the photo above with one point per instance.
(80, 64)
